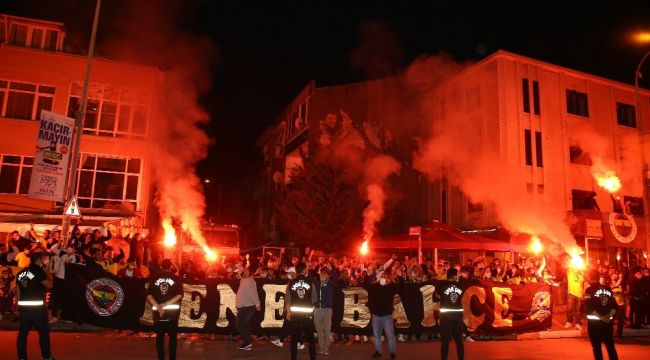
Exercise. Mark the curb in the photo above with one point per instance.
(559, 334)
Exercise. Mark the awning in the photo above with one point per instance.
(444, 237)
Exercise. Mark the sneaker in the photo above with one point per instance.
(469, 339)
(357, 338)
(567, 325)
(401, 338)
(578, 327)
(53, 320)
(393, 355)
(376, 355)
(365, 338)
(277, 342)
(301, 346)
(246, 347)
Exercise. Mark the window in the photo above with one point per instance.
(576, 103)
(584, 200)
(37, 38)
(18, 34)
(51, 39)
(23, 100)
(525, 94)
(474, 207)
(625, 114)
(528, 145)
(112, 111)
(107, 182)
(634, 205)
(3, 36)
(536, 97)
(15, 174)
(538, 149)
(298, 120)
(577, 155)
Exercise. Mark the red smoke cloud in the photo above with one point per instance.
(457, 150)
(147, 32)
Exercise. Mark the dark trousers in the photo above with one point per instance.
(620, 320)
(243, 324)
(599, 333)
(169, 327)
(300, 324)
(451, 326)
(57, 296)
(38, 320)
(636, 311)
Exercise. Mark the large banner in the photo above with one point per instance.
(96, 297)
(51, 157)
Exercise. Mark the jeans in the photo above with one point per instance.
(38, 320)
(243, 324)
(600, 332)
(384, 323)
(169, 327)
(300, 324)
(573, 309)
(451, 326)
(323, 322)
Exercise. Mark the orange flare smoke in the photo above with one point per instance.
(535, 245)
(169, 239)
(364, 248)
(577, 262)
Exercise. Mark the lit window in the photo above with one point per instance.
(107, 182)
(112, 111)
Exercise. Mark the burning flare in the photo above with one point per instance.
(364, 248)
(577, 263)
(535, 245)
(605, 176)
(169, 239)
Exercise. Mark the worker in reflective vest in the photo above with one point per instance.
(450, 294)
(300, 297)
(601, 308)
(165, 294)
(31, 286)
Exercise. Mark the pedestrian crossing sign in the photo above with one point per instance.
(73, 208)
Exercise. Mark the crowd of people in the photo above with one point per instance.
(142, 260)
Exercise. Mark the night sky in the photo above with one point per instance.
(269, 50)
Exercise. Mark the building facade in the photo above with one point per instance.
(528, 112)
(114, 168)
(533, 114)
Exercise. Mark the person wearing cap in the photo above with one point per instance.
(601, 308)
(286, 324)
(450, 294)
(31, 286)
(164, 294)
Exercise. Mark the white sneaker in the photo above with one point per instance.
(578, 327)
(567, 325)
(365, 338)
(469, 339)
(277, 342)
(301, 346)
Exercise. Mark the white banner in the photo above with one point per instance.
(51, 158)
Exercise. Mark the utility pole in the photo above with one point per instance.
(72, 173)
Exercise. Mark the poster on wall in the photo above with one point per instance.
(51, 157)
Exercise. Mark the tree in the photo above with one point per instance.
(321, 206)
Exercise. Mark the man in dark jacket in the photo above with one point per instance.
(601, 308)
(299, 299)
(380, 303)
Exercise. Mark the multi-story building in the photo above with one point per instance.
(529, 112)
(532, 114)
(114, 169)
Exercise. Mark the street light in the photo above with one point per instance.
(642, 38)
